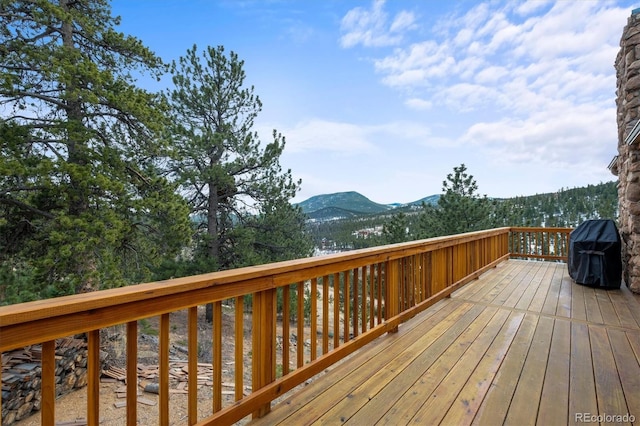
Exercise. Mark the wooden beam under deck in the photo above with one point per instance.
(521, 345)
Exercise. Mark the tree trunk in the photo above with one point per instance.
(214, 240)
(85, 263)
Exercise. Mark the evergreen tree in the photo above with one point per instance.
(233, 182)
(81, 195)
(396, 230)
(460, 208)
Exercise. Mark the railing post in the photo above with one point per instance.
(93, 371)
(132, 373)
(393, 291)
(264, 344)
(48, 383)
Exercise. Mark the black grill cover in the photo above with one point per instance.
(595, 257)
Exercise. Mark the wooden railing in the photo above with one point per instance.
(336, 304)
(540, 243)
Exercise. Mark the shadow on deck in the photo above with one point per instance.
(521, 345)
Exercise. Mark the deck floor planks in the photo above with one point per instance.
(496, 403)
(445, 394)
(463, 410)
(633, 300)
(530, 291)
(492, 290)
(592, 306)
(551, 301)
(578, 307)
(608, 387)
(623, 309)
(609, 314)
(537, 303)
(628, 368)
(582, 356)
(313, 401)
(385, 398)
(582, 389)
(524, 405)
(423, 351)
(564, 298)
(534, 277)
(518, 283)
(554, 401)
(423, 387)
(477, 289)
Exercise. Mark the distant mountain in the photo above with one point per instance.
(347, 205)
(430, 199)
(332, 213)
(344, 204)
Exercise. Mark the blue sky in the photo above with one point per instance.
(386, 97)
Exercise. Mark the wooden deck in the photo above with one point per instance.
(521, 345)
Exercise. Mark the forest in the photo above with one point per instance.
(567, 207)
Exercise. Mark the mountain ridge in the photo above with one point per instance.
(349, 204)
(341, 205)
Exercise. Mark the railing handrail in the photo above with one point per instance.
(260, 277)
(414, 275)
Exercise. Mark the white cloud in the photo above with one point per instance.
(418, 104)
(531, 83)
(347, 138)
(531, 6)
(322, 135)
(371, 27)
(554, 138)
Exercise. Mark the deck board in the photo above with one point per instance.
(554, 401)
(523, 344)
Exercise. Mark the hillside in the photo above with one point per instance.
(348, 205)
(340, 228)
(344, 204)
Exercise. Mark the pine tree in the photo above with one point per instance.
(460, 208)
(81, 192)
(233, 182)
(396, 229)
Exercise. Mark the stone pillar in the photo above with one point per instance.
(627, 165)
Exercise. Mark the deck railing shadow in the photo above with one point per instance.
(307, 314)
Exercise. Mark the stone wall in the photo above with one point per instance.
(627, 165)
(21, 377)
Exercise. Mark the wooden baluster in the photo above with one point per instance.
(192, 354)
(286, 318)
(164, 370)
(347, 305)
(379, 296)
(363, 319)
(300, 325)
(239, 354)
(48, 416)
(264, 361)
(217, 356)
(393, 291)
(372, 295)
(325, 314)
(132, 373)
(356, 313)
(93, 373)
(336, 310)
(314, 319)
(402, 284)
